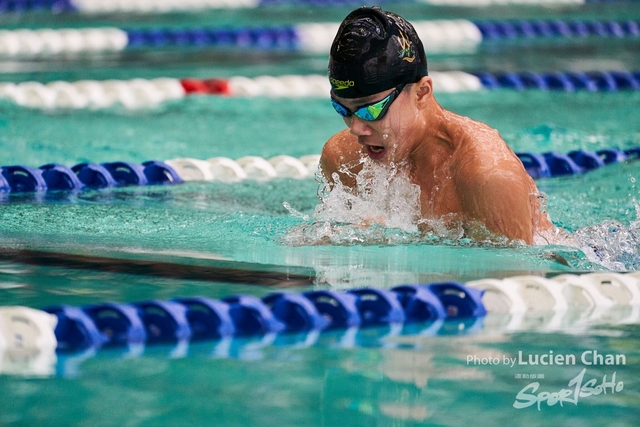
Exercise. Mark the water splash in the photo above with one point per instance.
(295, 213)
(612, 244)
(383, 208)
(382, 195)
(609, 243)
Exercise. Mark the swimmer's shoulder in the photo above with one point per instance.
(483, 156)
(473, 130)
(339, 151)
(341, 143)
(341, 148)
(482, 143)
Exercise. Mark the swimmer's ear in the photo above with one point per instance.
(424, 90)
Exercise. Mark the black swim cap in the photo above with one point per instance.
(374, 51)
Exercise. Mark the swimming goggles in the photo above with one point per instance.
(369, 112)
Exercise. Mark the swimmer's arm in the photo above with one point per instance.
(500, 200)
(341, 155)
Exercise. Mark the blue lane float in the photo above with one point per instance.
(208, 318)
(76, 330)
(62, 6)
(57, 177)
(537, 28)
(120, 323)
(199, 318)
(93, 175)
(159, 173)
(262, 38)
(554, 164)
(378, 306)
(24, 179)
(164, 321)
(251, 316)
(21, 6)
(419, 303)
(296, 312)
(596, 81)
(125, 173)
(60, 177)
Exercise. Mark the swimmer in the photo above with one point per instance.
(466, 172)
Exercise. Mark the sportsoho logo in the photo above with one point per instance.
(579, 387)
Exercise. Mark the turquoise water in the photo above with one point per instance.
(425, 383)
(203, 127)
(363, 378)
(421, 375)
(236, 221)
(415, 376)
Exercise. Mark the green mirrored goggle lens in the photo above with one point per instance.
(369, 112)
(373, 111)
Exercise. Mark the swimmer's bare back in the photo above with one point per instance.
(466, 172)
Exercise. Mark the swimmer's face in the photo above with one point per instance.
(384, 139)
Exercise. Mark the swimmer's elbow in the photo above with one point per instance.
(497, 232)
(502, 206)
(522, 232)
(513, 220)
(499, 223)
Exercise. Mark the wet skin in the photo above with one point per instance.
(465, 170)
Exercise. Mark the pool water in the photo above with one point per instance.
(416, 375)
(247, 221)
(421, 375)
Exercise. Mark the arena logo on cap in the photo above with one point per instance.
(341, 84)
(406, 52)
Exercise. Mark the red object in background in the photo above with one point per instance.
(209, 86)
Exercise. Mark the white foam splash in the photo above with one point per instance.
(612, 244)
(382, 208)
(383, 194)
(294, 212)
(609, 243)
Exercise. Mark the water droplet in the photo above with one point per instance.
(385, 136)
(632, 179)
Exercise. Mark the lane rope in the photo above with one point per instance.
(148, 93)
(568, 302)
(58, 177)
(165, 6)
(449, 36)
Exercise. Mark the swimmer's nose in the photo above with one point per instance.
(358, 127)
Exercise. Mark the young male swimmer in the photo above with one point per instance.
(466, 172)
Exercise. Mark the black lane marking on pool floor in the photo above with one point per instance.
(167, 270)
